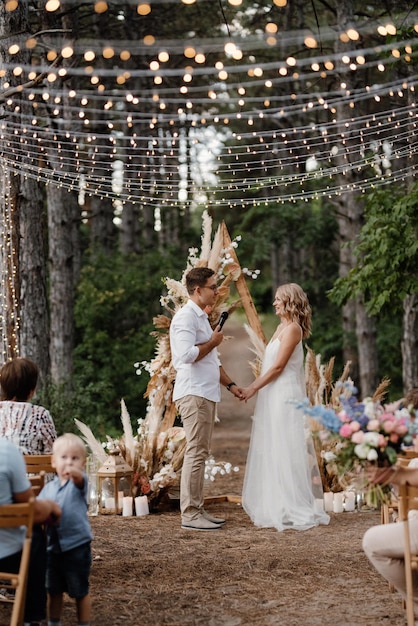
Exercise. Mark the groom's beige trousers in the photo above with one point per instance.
(198, 417)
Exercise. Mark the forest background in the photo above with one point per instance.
(123, 121)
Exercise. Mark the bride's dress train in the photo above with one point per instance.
(282, 479)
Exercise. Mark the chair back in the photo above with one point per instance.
(15, 516)
(408, 502)
(36, 463)
(409, 454)
(37, 481)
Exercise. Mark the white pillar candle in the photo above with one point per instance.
(127, 506)
(318, 505)
(338, 502)
(328, 501)
(141, 505)
(120, 499)
(349, 501)
(109, 503)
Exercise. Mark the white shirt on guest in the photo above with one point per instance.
(189, 328)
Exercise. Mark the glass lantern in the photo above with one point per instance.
(115, 483)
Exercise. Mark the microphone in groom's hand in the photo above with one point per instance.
(222, 319)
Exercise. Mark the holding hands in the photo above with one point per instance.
(235, 390)
(247, 393)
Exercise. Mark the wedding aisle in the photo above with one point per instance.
(148, 572)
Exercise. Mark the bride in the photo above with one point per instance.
(282, 480)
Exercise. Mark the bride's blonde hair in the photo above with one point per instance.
(296, 305)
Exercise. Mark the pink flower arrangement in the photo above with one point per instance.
(364, 431)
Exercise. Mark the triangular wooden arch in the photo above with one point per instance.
(242, 288)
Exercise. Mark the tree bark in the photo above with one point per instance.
(25, 318)
(63, 220)
(34, 327)
(9, 264)
(410, 343)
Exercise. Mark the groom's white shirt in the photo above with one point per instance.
(189, 328)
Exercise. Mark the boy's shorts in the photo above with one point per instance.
(69, 571)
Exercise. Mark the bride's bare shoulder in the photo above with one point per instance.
(290, 329)
(293, 330)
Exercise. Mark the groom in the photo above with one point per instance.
(197, 390)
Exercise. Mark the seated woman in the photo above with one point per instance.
(384, 544)
(28, 425)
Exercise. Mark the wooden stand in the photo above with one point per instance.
(224, 498)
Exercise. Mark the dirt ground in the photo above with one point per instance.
(149, 572)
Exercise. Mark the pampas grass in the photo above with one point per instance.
(94, 445)
(381, 390)
(258, 348)
(161, 410)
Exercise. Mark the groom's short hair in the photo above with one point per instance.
(197, 277)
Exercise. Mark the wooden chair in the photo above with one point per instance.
(408, 501)
(14, 516)
(391, 506)
(36, 463)
(409, 454)
(37, 482)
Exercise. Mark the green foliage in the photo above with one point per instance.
(70, 401)
(118, 296)
(387, 253)
(389, 337)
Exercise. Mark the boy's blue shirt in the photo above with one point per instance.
(73, 529)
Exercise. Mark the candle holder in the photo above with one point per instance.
(115, 483)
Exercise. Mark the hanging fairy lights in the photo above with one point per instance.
(9, 309)
(217, 82)
(252, 119)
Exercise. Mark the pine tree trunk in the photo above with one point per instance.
(34, 324)
(102, 229)
(9, 264)
(63, 221)
(410, 342)
(25, 316)
(367, 350)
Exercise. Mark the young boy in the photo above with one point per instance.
(69, 549)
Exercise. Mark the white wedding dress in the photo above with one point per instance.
(282, 479)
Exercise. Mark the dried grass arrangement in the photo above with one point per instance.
(155, 452)
(321, 389)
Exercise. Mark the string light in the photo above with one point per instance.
(215, 83)
(9, 310)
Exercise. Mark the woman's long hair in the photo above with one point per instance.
(296, 305)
